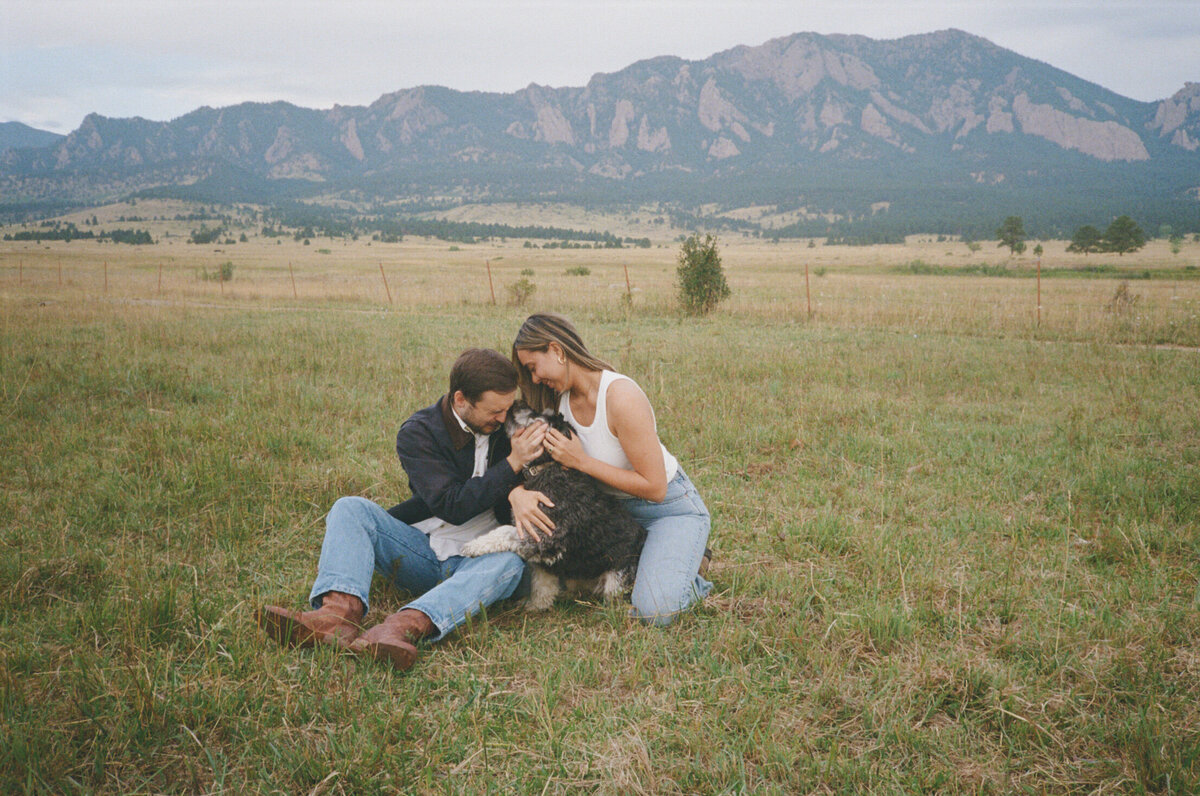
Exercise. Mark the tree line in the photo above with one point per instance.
(69, 232)
(1123, 235)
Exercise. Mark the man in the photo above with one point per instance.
(460, 468)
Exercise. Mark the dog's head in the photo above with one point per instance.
(521, 416)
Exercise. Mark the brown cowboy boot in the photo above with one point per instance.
(335, 622)
(395, 638)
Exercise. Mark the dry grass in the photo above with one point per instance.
(845, 286)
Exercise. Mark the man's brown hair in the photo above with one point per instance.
(480, 370)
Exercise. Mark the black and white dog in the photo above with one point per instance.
(595, 544)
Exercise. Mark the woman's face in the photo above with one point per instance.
(545, 368)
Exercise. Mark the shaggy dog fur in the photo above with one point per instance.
(595, 544)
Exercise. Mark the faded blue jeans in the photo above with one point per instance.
(361, 538)
(667, 582)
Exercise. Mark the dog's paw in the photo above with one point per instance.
(543, 588)
(500, 540)
(612, 585)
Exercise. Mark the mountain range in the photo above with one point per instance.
(14, 135)
(934, 132)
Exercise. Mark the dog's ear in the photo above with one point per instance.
(518, 417)
(560, 424)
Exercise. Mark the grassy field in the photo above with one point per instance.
(957, 549)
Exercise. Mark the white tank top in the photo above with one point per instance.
(598, 440)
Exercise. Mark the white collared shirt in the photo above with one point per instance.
(447, 540)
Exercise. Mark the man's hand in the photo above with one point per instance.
(528, 517)
(526, 445)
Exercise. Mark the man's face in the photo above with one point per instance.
(488, 413)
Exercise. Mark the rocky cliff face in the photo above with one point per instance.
(945, 99)
(1179, 118)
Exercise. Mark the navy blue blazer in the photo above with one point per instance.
(439, 458)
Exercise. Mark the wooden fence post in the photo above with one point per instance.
(491, 286)
(385, 284)
(295, 295)
(1039, 291)
(628, 288)
(807, 291)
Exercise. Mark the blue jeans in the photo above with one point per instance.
(361, 539)
(677, 531)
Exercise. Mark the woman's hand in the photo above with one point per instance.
(567, 451)
(529, 519)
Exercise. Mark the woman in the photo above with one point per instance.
(618, 445)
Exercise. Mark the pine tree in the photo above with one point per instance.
(701, 279)
(1086, 239)
(1012, 234)
(1123, 235)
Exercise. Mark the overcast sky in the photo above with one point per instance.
(63, 59)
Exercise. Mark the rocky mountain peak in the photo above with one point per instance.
(1179, 117)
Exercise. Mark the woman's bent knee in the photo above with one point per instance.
(657, 608)
(655, 619)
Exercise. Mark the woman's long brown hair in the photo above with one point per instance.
(536, 334)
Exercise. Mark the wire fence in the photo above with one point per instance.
(1147, 311)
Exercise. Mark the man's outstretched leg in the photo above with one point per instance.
(471, 585)
(360, 537)
(395, 639)
(335, 622)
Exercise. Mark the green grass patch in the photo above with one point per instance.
(944, 563)
(1024, 270)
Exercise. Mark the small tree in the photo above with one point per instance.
(1124, 235)
(520, 291)
(1087, 239)
(1012, 234)
(700, 277)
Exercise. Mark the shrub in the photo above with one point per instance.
(205, 235)
(224, 273)
(1123, 301)
(579, 270)
(520, 291)
(700, 277)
